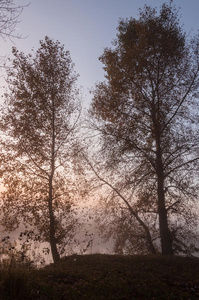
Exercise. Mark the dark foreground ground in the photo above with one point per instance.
(105, 277)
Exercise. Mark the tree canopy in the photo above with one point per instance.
(142, 161)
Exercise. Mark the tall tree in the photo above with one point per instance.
(40, 121)
(147, 113)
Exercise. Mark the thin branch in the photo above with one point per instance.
(133, 213)
(182, 165)
(183, 99)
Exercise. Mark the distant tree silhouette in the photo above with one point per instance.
(115, 213)
(147, 114)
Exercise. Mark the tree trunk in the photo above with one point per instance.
(165, 235)
(53, 245)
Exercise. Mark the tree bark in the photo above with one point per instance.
(53, 245)
(165, 235)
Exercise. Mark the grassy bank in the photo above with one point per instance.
(105, 277)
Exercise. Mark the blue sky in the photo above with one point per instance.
(85, 27)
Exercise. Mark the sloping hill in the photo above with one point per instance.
(106, 277)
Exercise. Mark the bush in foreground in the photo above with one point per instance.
(105, 277)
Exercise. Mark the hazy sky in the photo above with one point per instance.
(85, 27)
